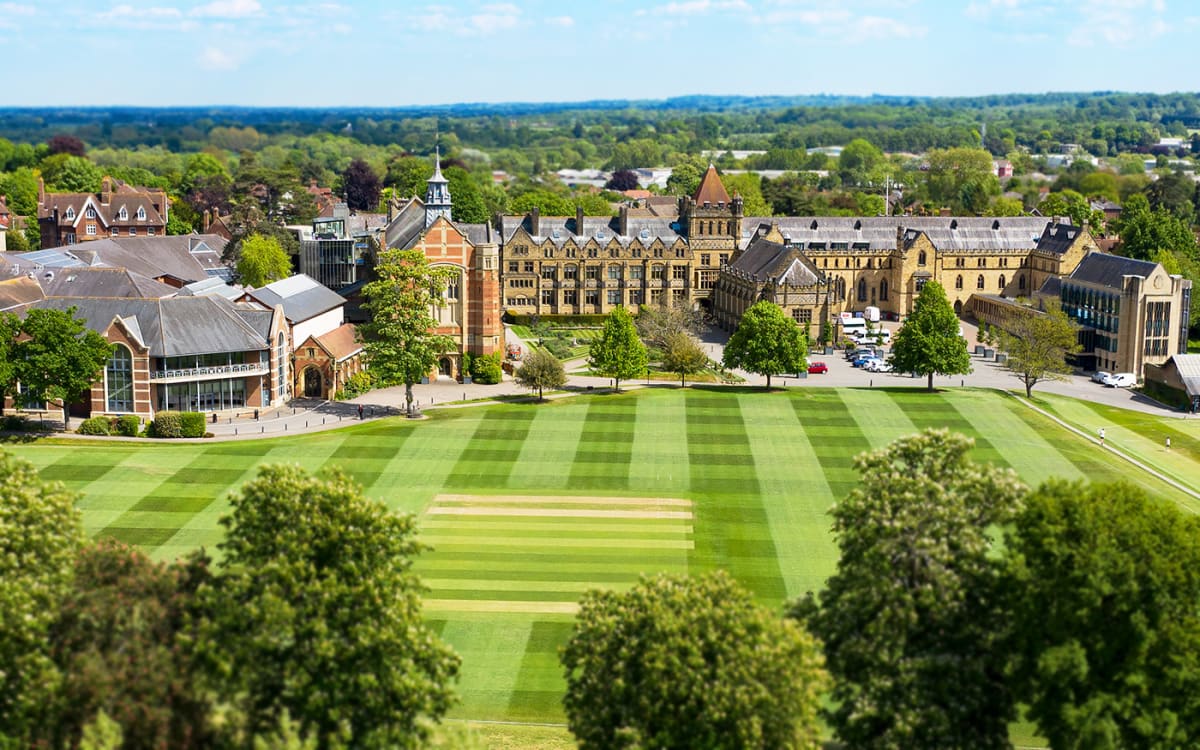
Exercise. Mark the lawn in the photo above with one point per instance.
(526, 506)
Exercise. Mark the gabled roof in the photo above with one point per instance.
(406, 227)
(764, 260)
(188, 257)
(102, 282)
(341, 343)
(1188, 366)
(711, 189)
(302, 297)
(1058, 238)
(1109, 270)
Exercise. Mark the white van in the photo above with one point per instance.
(1121, 380)
(853, 326)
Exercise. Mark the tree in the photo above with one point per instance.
(684, 179)
(58, 357)
(539, 371)
(1107, 635)
(261, 261)
(408, 174)
(859, 163)
(1072, 205)
(766, 342)
(679, 662)
(122, 642)
(749, 187)
(316, 611)
(911, 619)
(1145, 232)
(469, 206)
(684, 356)
(657, 324)
(10, 325)
(618, 353)
(40, 534)
(1006, 207)
(929, 342)
(622, 179)
(361, 186)
(1037, 344)
(71, 174)
(546, 202)
(398, 339)
(66, 144)
(961, 178)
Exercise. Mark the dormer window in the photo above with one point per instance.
(141, 214)
(123, 215)
(70, 214)
(91, 212)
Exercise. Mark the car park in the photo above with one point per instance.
(1099, 376)
(1121, 380)
(878, 365)
(817, 368)
(864, 359)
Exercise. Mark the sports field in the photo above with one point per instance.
(526, 506)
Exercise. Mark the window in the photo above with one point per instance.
(548, 252)
(529, 266)
(118, 380)
(680, 252)
(592, 297)
(883, 290)
(593, 252)
(547, 296)
(802, 316)
(679, 273)
(123, 215)
(548, 273)
(614, 272)
(571, 297)
(614, 297)
(91, 230)
(636, 297)
(571, 272)
(614, 252)
(513, 266)
(637, 252)
(705, 259)
(70, 238)
(657, 272)
(656, 296)
(635, 272)
(133, 231)
(141, 214)
(452, 288)
(1021, 282)
(862, 290)
(571, 252)
(91, 212)
(979, 282)
(70, 214)
(151, 231)
(725, 259)
(982, 263)
(591, 272)
(958, 283)
(960, 262)
(1002, 282)
(658, 252)
(921, 258)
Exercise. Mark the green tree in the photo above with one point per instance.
(469, 206)
(546, 202)
(121, 640)
(71, 174)
(682, 355)
(766, 342)
(1145, 232)
(262, 261)
(58, 357)
(657, 324)
(1072, 205)
(399, 341)
(962, 179)
(618, 353)
(912, 618)
(10, 326)
(40, 534)
(749, 187)
(1006, 207)
(929, 342)
(539, 371)
(408, 175)
(859, 163)
(1037, 344)
(316, 611)
(1106, 647)
(684, 179)
(679, 662)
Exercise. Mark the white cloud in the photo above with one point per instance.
(679, 8)
(216, 59)
(1118, 23)
(563, 21)
(490, 19)
(228, 9)
(17, 9)
(877, 27)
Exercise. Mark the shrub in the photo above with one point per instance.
(191, 424)
(486, 369)
(18, 423)
(356, 385)
(96, 426)
(129, 425)
(167, 424)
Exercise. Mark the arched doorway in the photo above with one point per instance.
(312, 383)
(445, 367)
(958, 307)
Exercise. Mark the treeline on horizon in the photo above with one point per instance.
(1103, 123)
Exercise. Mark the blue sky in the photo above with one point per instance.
(398, 52)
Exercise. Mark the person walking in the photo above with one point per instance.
(1101, 437)
(360, 411)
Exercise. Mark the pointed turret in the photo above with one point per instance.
(711, 192)
(437, 193)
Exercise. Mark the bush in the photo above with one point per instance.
(191, 424)
(356, 385)
(96, 426)
(486, 369)
(129, 426)
(17, 423)
(167, 424)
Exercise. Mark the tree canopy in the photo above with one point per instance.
(618, 353)
(540, 370)
(766, 342)
(929, 342)
(912, 618)
(316, 611)
(261, 261)
(58, 358)
(679, 662)
(683, 356)
(361, 186)
(1037, 344)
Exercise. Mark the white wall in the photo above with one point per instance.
(318, 326)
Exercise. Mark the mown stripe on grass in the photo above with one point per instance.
(1021, 446)
(550, 446)
(367, 456)
(605, 445)
(732, 529)
(540, 683)
(835, 438)
(879, 418)
(659, 462)
(492, 652)
(492, 452)
(937, 411)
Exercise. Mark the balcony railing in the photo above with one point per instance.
(210, 373)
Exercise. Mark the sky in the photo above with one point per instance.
(393, 53)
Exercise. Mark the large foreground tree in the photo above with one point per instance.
(618, 353)
(1037, 344)
(262, 260)
(539, 371)
(929, 342)
(399, 340)
(1105, 585)
(913, 617)
(58, 357)
(316, 612)
(766, 342)
(681, 663)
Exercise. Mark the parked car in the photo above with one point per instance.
(878, 365)
(864, 359)
(817, 368)
(1099, 376)
(1121, 380)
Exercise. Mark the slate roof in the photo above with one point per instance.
(404, 229)
(302, 297)
(880, 232)
(559, 229)
(212, 285)
(102, 282)
(188, 257)
(108, 206)
(1108, 270)
(172, 326)
(1057, 238)
(341, 342)
(711, 189)
(19, 292)
(764, 260)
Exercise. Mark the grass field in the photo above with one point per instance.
(526, 506)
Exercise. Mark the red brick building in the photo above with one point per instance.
(118, 210)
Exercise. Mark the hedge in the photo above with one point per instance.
(167, 424)
(129, 425)
(192, 424)
(529, 319)
(96, 426)
(485, 369)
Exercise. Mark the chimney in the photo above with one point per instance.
(579, 221)
(535, 220)
(41, 191)
(206, 221)
(623, 220)
(106, 191)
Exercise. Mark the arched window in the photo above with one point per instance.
(452, 287)
(281, 355)
(1002, 282)
(958, 283)
(979, 282)
(862, 290)
(1021, 281)
(883, 290)
(118, 380)
(921, 258)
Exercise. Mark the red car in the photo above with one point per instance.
(816, 368)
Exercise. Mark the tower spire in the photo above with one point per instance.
(437, 192)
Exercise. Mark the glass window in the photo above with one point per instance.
(118, 379)
(614, 272)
